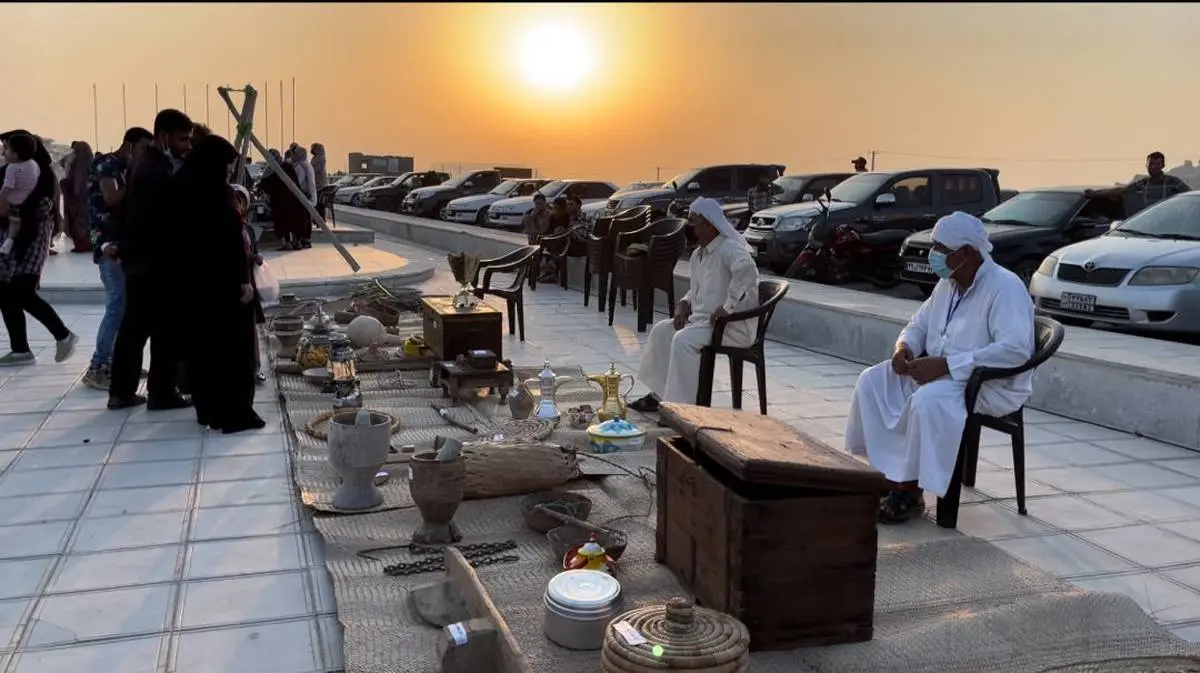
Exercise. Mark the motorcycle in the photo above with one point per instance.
(840, 253)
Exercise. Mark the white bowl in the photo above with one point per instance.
(601, 443)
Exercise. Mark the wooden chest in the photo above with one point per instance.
(767, 525)
(450, 332)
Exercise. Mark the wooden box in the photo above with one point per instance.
(767, 525)
(450, 332)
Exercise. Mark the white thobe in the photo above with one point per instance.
(912, 433)
(723, 275)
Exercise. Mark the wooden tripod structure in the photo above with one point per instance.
(245, 138)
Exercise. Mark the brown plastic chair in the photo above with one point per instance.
(770, 293)
(601, 244)
(649, 266)
(514, 295)
(1048, 337)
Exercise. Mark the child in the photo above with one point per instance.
(241, 200)
(20, 178)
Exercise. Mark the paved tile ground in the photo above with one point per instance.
(133, 542)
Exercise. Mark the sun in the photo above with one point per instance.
(556, 57)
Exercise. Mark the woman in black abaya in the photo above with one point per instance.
(220, 354)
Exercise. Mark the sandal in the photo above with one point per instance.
(901, 506)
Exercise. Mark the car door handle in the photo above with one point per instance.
(929, 215)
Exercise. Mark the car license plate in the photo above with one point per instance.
(261, 210)
(918, 267)
(1079, 303)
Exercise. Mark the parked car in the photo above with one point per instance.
(348, 193)
(429, 201)
(507, 214)
(787, 190)
(912, 200)
(1023, 230)
(730, 182)
(389, 195)
(593, 210)
(474, 209)
(1141, 274)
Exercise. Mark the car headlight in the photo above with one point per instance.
(628, 203)
(1047, 266)
(792, 223)
(1164, 275)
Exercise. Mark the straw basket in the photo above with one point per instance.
(516, 468)
(679, 636)
(1135, 665)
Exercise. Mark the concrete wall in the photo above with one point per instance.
(1081, 382)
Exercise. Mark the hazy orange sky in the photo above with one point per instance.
(1019, 87)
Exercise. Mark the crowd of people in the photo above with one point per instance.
(291, 218)
(565, 214)
(162, 191)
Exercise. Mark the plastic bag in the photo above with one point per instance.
(266, 284)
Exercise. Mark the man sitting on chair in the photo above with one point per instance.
(724, 280)
(907, 415)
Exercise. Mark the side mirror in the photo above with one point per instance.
(1114, 224)
(885, 199)
(693, 186)
(806, 197)
(468, 184)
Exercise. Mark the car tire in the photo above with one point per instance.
(481, 218)
(356, 200)
(1072, 322)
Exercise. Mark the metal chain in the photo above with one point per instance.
(478, 555)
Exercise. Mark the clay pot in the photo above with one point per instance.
(358, 447)
(520, 402)
(437, 491)
(288, 341)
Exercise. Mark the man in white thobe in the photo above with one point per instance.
(724, 280)
(907, 415)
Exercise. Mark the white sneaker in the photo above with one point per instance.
(65, 347)
(16, 359)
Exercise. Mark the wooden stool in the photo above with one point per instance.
(455, 379)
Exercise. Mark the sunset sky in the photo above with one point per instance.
(625, 88)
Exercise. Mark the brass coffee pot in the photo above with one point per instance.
(613, 405)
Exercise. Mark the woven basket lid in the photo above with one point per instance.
(678, 636)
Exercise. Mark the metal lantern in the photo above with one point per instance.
(343, 373)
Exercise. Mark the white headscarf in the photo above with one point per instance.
(958, 229)
(711, 211)
(243, 192)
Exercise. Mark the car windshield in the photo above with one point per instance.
(1175, 218)
(373, 182)
(553, 189)
(860, 188)
(787, 189)
(504, 188)
(681, 180)
(361, 180)
(458, 180)
(1034, 209)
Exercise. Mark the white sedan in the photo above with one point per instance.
(507, 214)
(474, 209)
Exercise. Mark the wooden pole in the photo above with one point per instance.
(184, 99)
(244, 126)
(281, 111)
(293, 109)
(207, 96)
(156, 98)
(124, 110)
(95, 117)
(266, 112)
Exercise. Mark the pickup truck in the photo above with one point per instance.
(389, 195)
(726, 183)
(1023, 230)
(911, 199)
(786, 190)
(429, 201)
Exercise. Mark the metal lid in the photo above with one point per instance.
(583, 589)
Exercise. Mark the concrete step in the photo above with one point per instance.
(1128, 383)
(347, 234)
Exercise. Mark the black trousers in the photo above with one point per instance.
(150, 315)
(18, 297)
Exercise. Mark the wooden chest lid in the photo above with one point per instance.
(764, 450)
(444, 305)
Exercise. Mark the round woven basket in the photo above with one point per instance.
(497, 469)
(1135, 665)
(679, 636)
(318, 426)
(523, 431)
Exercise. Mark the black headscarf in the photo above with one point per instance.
(205, 171)
(43, 190)
(211, 227)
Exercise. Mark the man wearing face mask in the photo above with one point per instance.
(148, 242)
(907, 415)
(724, 280)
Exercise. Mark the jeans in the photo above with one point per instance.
(114, 308)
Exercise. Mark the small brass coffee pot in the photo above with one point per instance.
(613, 405)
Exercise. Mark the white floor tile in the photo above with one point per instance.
(37, 539)
(1145, 545)
(11, 422)
(14, 439)
(264, 648)
(242, 445)
(23, 578)
(44, 482)
(170, 449)
(236, 493)
(1162, 600)
(127, 532)
(243, 557)
(11, 614)
(71, 618)
(77, 456)
(75, 436)
(244, 599)
(990, 520)
(248, 521)
(155, 432)
(138, 655)
(234, 468)
(149, 500)
(135, 475)
(1063, 555)
(107, 570)
(39, 508)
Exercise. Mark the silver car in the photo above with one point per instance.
(1142, 274)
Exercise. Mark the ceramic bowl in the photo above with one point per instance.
(602, 443)
(317, 375)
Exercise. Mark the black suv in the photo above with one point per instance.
(429, 201)
(912, 200)
(390, 195)
(785, 191)
(1023, 230)
(727, 183)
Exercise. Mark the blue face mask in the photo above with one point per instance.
(937, 262)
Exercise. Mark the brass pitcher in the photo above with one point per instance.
(613, 405)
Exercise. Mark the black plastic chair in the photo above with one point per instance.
(1048, 336)
(770, 293)
(601, 246)
(646, 268)
(514, 295)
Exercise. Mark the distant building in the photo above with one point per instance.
(372, 163)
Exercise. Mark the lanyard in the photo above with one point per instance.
(955, 302)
